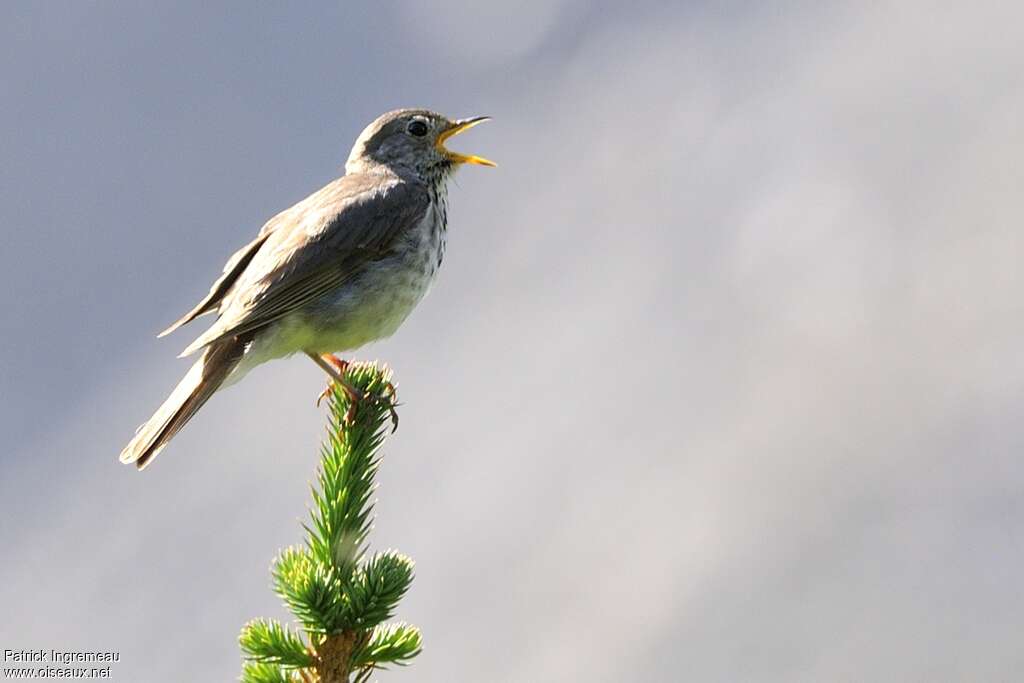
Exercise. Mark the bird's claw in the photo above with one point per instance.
(353, 396)
(354, 399)
(391, 396)
(336, 367)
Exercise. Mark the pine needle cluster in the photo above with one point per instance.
(340, 594)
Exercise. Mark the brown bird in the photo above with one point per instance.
(343, 267)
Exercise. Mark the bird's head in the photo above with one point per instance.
(413, 140)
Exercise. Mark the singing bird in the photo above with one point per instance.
(343, 267)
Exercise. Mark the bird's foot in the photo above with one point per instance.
(340, 367)
(336, 368)
(387, 396)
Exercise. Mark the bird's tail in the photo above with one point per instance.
(195, 388)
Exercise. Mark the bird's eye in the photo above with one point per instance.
(417, 128)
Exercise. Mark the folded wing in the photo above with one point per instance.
(313, 249)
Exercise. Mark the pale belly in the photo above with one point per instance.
(370, 309)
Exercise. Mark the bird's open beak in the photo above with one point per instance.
(457, 127)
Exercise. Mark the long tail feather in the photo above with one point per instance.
(195, 388)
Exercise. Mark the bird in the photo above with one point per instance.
(341, 268)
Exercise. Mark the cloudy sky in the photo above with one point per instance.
(720, 381)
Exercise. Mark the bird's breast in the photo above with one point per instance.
(375, 303)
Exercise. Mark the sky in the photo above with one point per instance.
(720, 380)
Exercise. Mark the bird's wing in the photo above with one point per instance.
(316, 246)
(232, 270)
